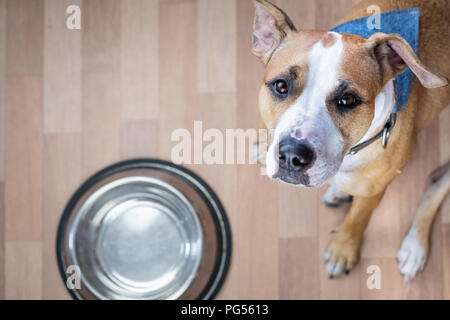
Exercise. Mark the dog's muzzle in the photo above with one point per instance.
(295, 157)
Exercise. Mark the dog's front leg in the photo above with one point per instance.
(343, 250)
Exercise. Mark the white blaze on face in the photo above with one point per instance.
(308, 117)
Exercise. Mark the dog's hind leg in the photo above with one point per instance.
(414, 250)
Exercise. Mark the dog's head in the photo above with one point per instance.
(320, 90)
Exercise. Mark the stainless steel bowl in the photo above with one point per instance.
(144, 229)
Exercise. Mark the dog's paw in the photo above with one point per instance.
(412, 256)
(334, 197)
(342, 254)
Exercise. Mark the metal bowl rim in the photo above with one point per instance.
(217, 210)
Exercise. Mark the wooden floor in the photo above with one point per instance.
(73, 102)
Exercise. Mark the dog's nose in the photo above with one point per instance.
(295, 154)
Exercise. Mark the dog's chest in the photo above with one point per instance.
(351, 163)
(345, 178)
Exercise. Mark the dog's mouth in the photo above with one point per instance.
(314, 177)
(293, 178)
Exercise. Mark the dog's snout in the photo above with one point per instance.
(295, 154)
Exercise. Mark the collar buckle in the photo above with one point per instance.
(388, 129)
(385, 134)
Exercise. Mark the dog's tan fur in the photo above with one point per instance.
(368, 184)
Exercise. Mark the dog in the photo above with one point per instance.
(327, 101)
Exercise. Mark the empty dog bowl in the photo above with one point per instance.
(144, 229)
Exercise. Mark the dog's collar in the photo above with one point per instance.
(402, 22)
(384, 134)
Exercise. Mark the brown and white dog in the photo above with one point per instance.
(324, 93)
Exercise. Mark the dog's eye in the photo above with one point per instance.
(281, 87)
(348, 101)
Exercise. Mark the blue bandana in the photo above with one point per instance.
(402, 22)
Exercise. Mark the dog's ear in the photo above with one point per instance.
(395, 54)
(271, 26)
